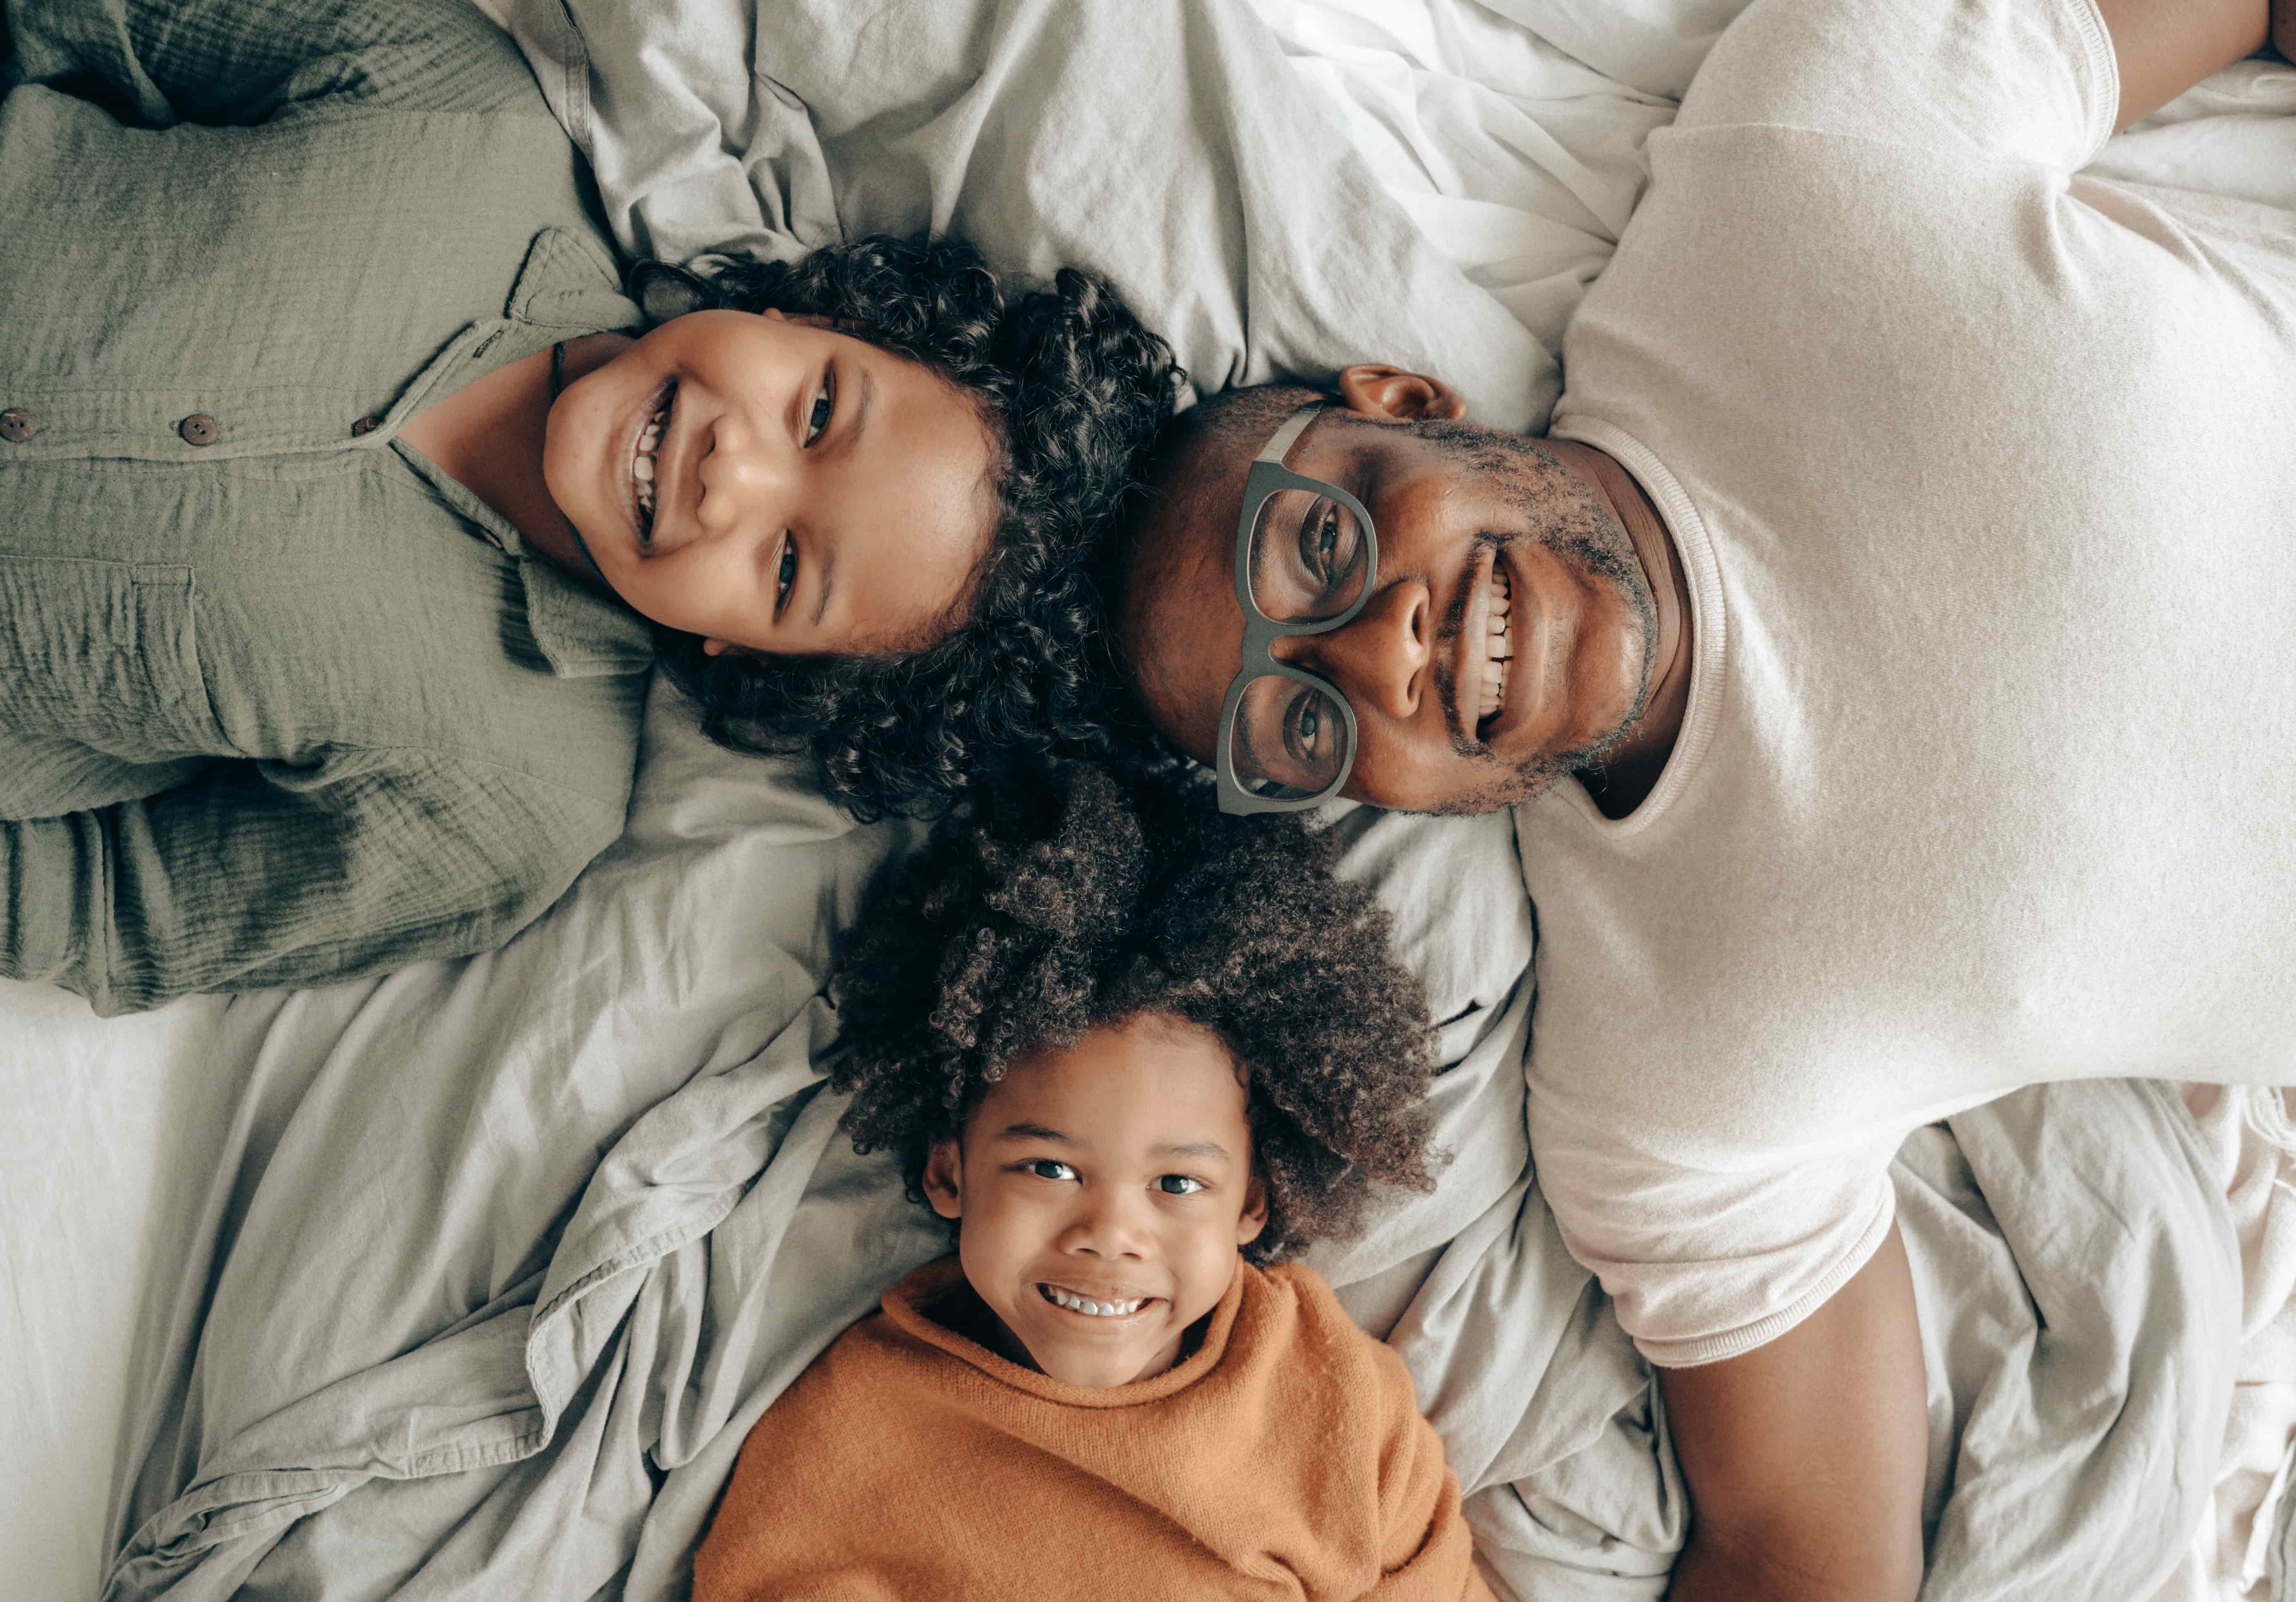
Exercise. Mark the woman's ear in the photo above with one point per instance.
(1383, 391)
(803, 319)
(1255, 1212)
(943, 1181)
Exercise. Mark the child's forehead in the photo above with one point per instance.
(1152, 1082)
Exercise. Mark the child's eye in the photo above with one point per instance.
(825, 407)
(1038, 1166)
(1179, 1184)
(785, 572)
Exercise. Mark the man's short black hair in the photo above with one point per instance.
(1071, 387)
(1045, 909)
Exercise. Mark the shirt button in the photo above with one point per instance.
(364, 426)
(18, 425)
(198, 428)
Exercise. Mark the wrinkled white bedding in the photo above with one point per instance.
(160, 1176)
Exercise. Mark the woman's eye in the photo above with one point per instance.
(1179, 1184)
(1038, 1166)
(786, 573)
(825, 407)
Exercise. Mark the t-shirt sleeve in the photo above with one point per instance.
(2025, 79)
(1704, 1264)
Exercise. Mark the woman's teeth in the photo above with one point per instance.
(1501, 644)
(1085, 1305)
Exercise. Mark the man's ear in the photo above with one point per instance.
(1255, 1213)
(716, 648)
(943, 1181)
(1384, 391)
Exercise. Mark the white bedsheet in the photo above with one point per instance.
(1508, 133)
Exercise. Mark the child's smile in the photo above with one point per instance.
(1103, 1190)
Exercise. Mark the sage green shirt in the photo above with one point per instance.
(279, 702)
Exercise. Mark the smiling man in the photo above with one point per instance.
(1889, 652)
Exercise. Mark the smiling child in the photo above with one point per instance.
(1138, 1054)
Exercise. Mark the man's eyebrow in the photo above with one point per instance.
(1025, 1131)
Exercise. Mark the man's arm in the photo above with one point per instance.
(1804, 1457)
(2166, 46)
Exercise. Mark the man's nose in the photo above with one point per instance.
(746, 478)
(1379, 660)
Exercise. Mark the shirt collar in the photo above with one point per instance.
(569, 286)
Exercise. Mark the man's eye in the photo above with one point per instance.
(1328, 543)
(1179, 1184)
(825, 407)
(1303, 726)
(785, 574)
(1037, 1166)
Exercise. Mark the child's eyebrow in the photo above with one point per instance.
(1032, 1132)
(1192, 1149)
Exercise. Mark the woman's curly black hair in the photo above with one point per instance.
(1072, 388)
(1044, 908)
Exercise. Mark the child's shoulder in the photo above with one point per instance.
(1306, 1315)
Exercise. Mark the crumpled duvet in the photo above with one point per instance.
(488, 1295)
(1164, 143)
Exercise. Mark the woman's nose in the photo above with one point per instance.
(1379, 660)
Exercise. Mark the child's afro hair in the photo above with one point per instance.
(1048, 906)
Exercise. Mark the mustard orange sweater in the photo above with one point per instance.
(1285, 1458)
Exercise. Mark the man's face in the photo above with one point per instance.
(1478, 532)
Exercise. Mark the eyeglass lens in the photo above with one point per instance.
(1308, 557)
(1289, 739)
(1307, 561)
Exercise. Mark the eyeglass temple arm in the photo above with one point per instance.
(1279, 444)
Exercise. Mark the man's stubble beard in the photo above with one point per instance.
(1573, 524)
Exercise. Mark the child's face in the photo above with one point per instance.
(1118, 1172)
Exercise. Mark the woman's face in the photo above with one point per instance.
(772, 484)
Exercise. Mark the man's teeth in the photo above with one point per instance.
(1501, 656)
(1085, 1305)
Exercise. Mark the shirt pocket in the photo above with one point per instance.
(105, 654)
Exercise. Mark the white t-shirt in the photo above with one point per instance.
(1984, 471)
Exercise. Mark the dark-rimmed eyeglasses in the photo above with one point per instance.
(1306, 559)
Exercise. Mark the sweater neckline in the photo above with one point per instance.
(904, 1302)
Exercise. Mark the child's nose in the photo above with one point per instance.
(1107, 1227)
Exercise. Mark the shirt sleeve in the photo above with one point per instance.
(156, 62)
(236, 881)
(2028, 79)
(1707, 1263)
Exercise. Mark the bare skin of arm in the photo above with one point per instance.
(1804, 1457)
(2166, 46)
